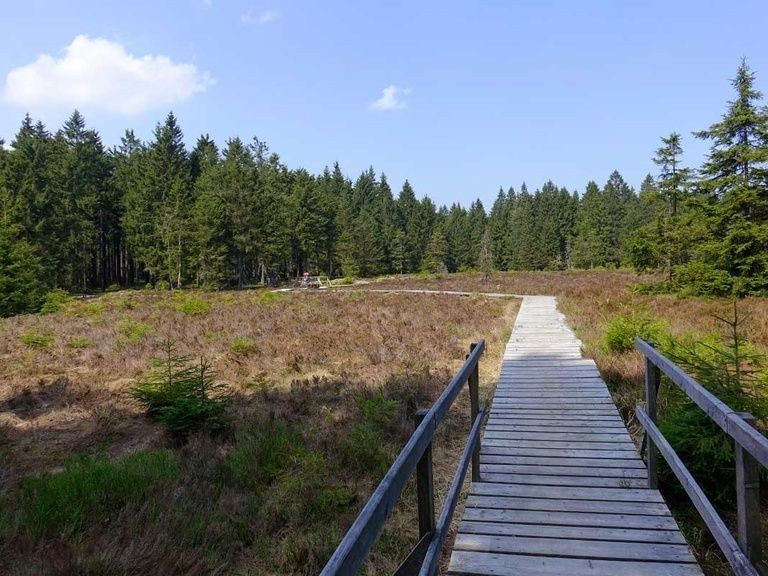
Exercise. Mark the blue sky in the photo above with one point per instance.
(470, 96)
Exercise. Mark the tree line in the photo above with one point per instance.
(79, 216)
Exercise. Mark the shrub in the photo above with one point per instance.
(91, 490)
(78, 342)
(54, 300)
(263, 455)
(191, 305)
(266, 298)
(378, 411)
(162, 285)
(132, 330)
(701, 279)
(621, 331)
(37, 340)
(242, 345)
(364, 451)
(183, 397)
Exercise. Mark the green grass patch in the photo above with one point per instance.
(91, 490)
(190, 305)
(36, 340)
(78, 342)
(242, 346)
(266, 298)
(132, 330)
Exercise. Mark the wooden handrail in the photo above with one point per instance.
(416, 454)
(744, 554)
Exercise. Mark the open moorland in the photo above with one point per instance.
(321, 389)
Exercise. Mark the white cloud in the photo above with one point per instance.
(391, 99)
(262, 18)
(95, 73)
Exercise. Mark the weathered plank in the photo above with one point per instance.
(570, 518)
(573, 532)
(475, 563)
(574, 548)
(564, 505)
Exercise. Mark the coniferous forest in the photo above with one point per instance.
(83, 217)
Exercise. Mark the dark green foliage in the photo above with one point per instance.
(621, 331)
(155, 213)
(183, 397)
(91, 490)
(22, 288)
(732, 370)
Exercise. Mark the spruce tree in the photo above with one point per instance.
(733, 180)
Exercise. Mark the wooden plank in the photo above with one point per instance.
(562, 505)
(537, 469)
(570, 518)
(476, 563)
(559, 428)
(559, 444)
(567, 493)
(587, 436)
(573, 532)
(575, 462)
(505, 450)
(588, 481)
(574, 548)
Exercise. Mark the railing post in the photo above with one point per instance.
(425, 492)
(748, 502)
(474, 401)
(652, 381)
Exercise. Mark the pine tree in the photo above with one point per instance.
(733, 180)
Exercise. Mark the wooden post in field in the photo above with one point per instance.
(474, 400)
(425, 492)
(748, 502)
(652, 381)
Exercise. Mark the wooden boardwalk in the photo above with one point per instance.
(563, 490)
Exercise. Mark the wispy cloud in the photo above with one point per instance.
(262, 18)
(392, 98)
(95, 73)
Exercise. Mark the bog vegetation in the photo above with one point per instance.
(228, 432)
(82, 217)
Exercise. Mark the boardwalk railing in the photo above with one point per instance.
(744, 552)
(417, 456)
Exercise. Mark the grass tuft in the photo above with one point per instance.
(37, 340)
(91, 490)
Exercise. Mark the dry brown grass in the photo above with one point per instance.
(308, 359)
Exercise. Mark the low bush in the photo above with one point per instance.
(184, 397)
(242, 345)
(132, 330)
(54, 301)
(701, 279)
(621, 331)
(91, 490)
(37, 340)
(191, 305)
(265, 298)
